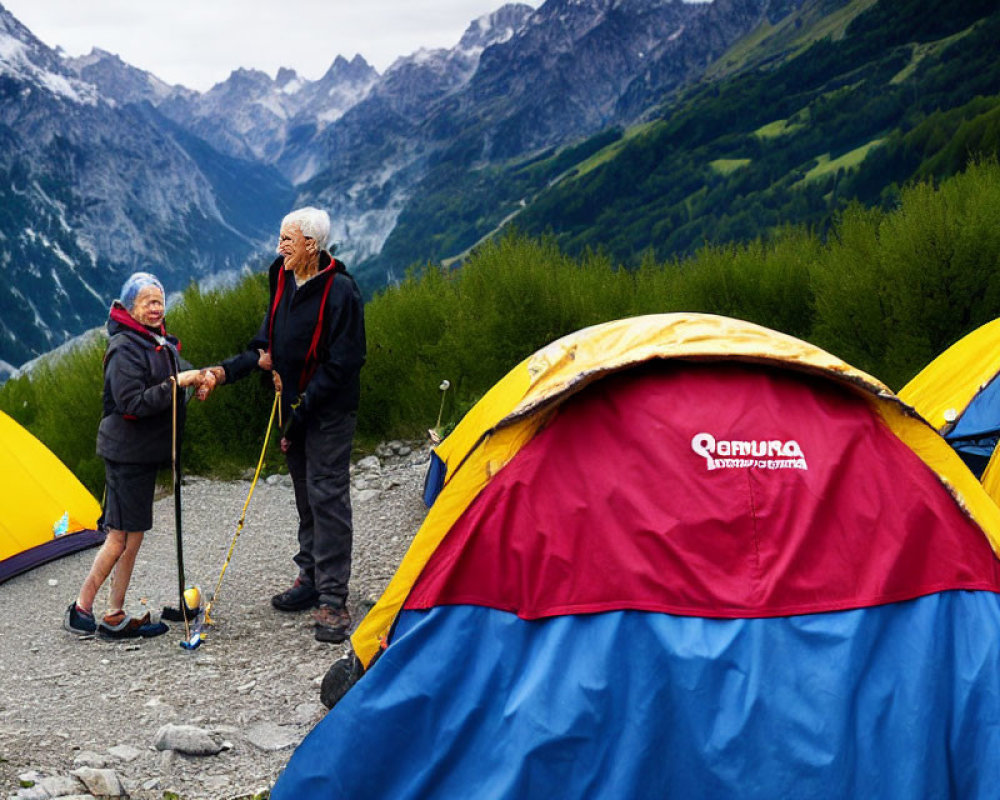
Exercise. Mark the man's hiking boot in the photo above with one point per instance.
(78, 621)
(300, 597)
(333, 623)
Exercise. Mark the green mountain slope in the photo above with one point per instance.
(910, 90)
(838, 102)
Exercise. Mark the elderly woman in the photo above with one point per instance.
(313, 336)
(135, 439)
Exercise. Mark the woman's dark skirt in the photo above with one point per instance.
(129, 505)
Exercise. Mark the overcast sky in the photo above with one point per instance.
(197, 43)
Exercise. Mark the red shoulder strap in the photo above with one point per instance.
(312, 357)
(274, 306)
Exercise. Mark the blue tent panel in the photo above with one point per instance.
(898, 702)
(434, 479)
(981, 418)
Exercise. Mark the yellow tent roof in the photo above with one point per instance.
(944, 388)
(508, 416)
(36, 489)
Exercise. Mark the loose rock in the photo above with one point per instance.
(187, 739)
(100, 782)
(124, 752)
(268, 736)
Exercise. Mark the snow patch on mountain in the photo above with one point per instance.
(16, 61)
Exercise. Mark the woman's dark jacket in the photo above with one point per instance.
(332, 383)
(137, 425)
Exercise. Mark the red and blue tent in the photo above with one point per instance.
(681, 556)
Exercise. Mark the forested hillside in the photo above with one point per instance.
(839, 112)
(911, 91)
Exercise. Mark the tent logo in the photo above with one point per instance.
(740, 454)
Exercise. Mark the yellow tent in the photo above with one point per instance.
(47, 512)
(959, 394)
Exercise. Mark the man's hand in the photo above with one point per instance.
(207, 384)
(218, 373)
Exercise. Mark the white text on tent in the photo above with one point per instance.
(742, 454)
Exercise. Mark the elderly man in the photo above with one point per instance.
(313, 337)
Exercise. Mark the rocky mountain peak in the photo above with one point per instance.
(97, 182)
(116, 80)
(357, 142)
(11, 26)
(357, 70)
(499, 26)
(26, 59)
(95, 56)
(285, 76)
(244, 80)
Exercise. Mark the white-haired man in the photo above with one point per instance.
(313, 338)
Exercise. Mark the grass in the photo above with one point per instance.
(922, 51)
(780, 127)
(774, 44)
(606, 154)
(827, 166)
(724, 166)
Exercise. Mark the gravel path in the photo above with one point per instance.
(254, 682)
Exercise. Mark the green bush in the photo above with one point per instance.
(886, 291)
(223, 435)
(895, 289)
(60, 403)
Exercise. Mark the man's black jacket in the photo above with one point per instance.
(335, 384)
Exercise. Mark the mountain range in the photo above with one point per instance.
(607, 122)
(92, 188)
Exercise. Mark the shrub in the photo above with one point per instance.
(887, 291)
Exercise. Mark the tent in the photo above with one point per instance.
(959, 394)
(39, 497)
(681, 556)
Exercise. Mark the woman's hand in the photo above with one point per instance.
(264, 362)
(189, 377)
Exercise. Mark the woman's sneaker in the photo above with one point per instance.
(125, 626)
(78, 621)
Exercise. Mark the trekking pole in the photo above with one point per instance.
(434, 434)
(176, 472)
(239, 525)
(443, 388)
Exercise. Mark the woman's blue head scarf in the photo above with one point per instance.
(136, 282)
